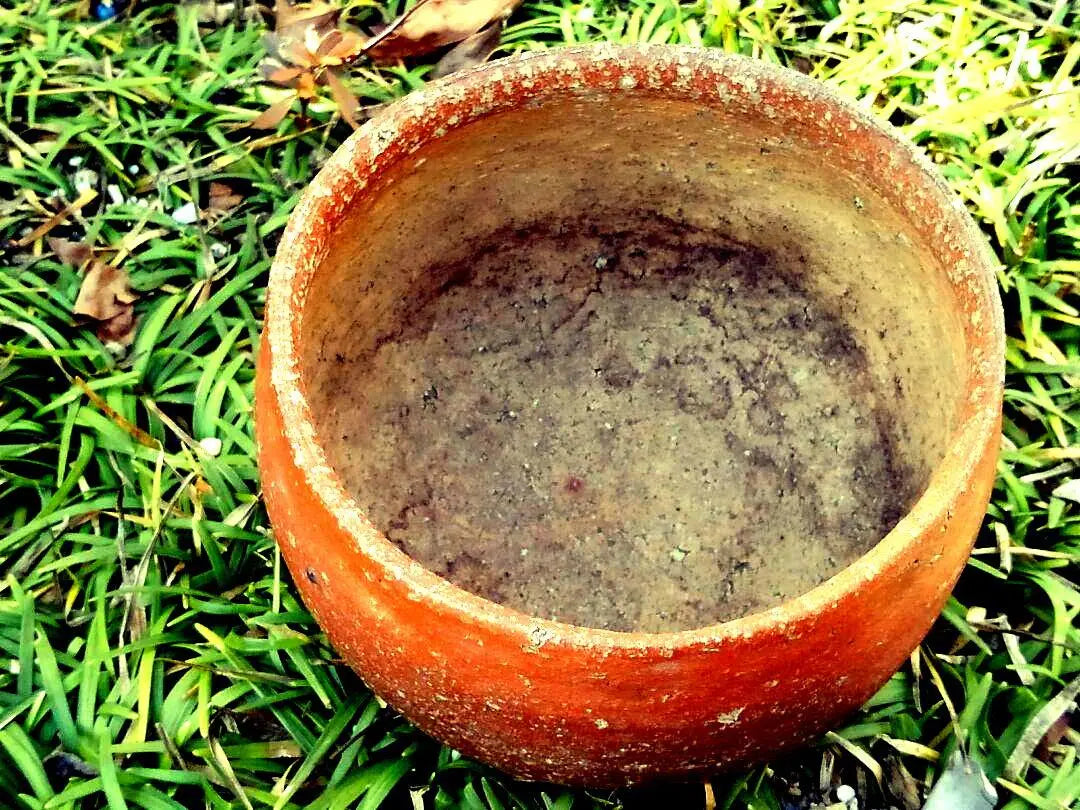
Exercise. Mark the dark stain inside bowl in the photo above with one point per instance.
(644, 429)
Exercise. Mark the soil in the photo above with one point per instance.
(645, 429)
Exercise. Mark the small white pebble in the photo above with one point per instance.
(218, 250)
(186, 214)
(524, 552)
(75, 161)
(845, 793)
(115, 196)
(211, 445)
(1034, 66)
(84, 180)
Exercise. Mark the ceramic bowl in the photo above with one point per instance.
(706, 144)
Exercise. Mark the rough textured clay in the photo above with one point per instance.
(817, 286)
(628, 426)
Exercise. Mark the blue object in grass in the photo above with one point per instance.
(105, 9)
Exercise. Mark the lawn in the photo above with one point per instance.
(153, 652)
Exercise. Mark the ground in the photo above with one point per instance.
(154, 651)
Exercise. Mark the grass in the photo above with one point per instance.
(154, 651)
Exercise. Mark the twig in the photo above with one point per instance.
(136, 432)
(386, 32)
(138, 579)
(56, 219)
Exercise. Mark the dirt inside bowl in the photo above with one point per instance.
(647, 427)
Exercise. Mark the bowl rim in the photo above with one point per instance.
(322, 205)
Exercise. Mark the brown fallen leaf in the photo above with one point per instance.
(299, 50)
(901, 785)
(118, 329)
(1044, 750)
(318, 15)
(1041, 724)
(105, 297)
(434, 24)
(346, 102)
(307, 50)
(73, 253)
(105, 292)
(223, 198)
(272, 115)
(471, 51)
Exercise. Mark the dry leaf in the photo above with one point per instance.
(120, 329)
(272, 115)
(280, 75)
(223, 198)
(901, 785)
(1038, 727)
(73, 253)
(436, 23)
(305, 87)
(470, 52)
(308, 37)
(304, 48)
(105, 292)
(106, 297)
(289, 18)
(1044, 750)
(336, 47)
(346, 101)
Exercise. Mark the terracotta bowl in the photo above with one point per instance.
(661, 174)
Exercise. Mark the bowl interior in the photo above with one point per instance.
(630, 361)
